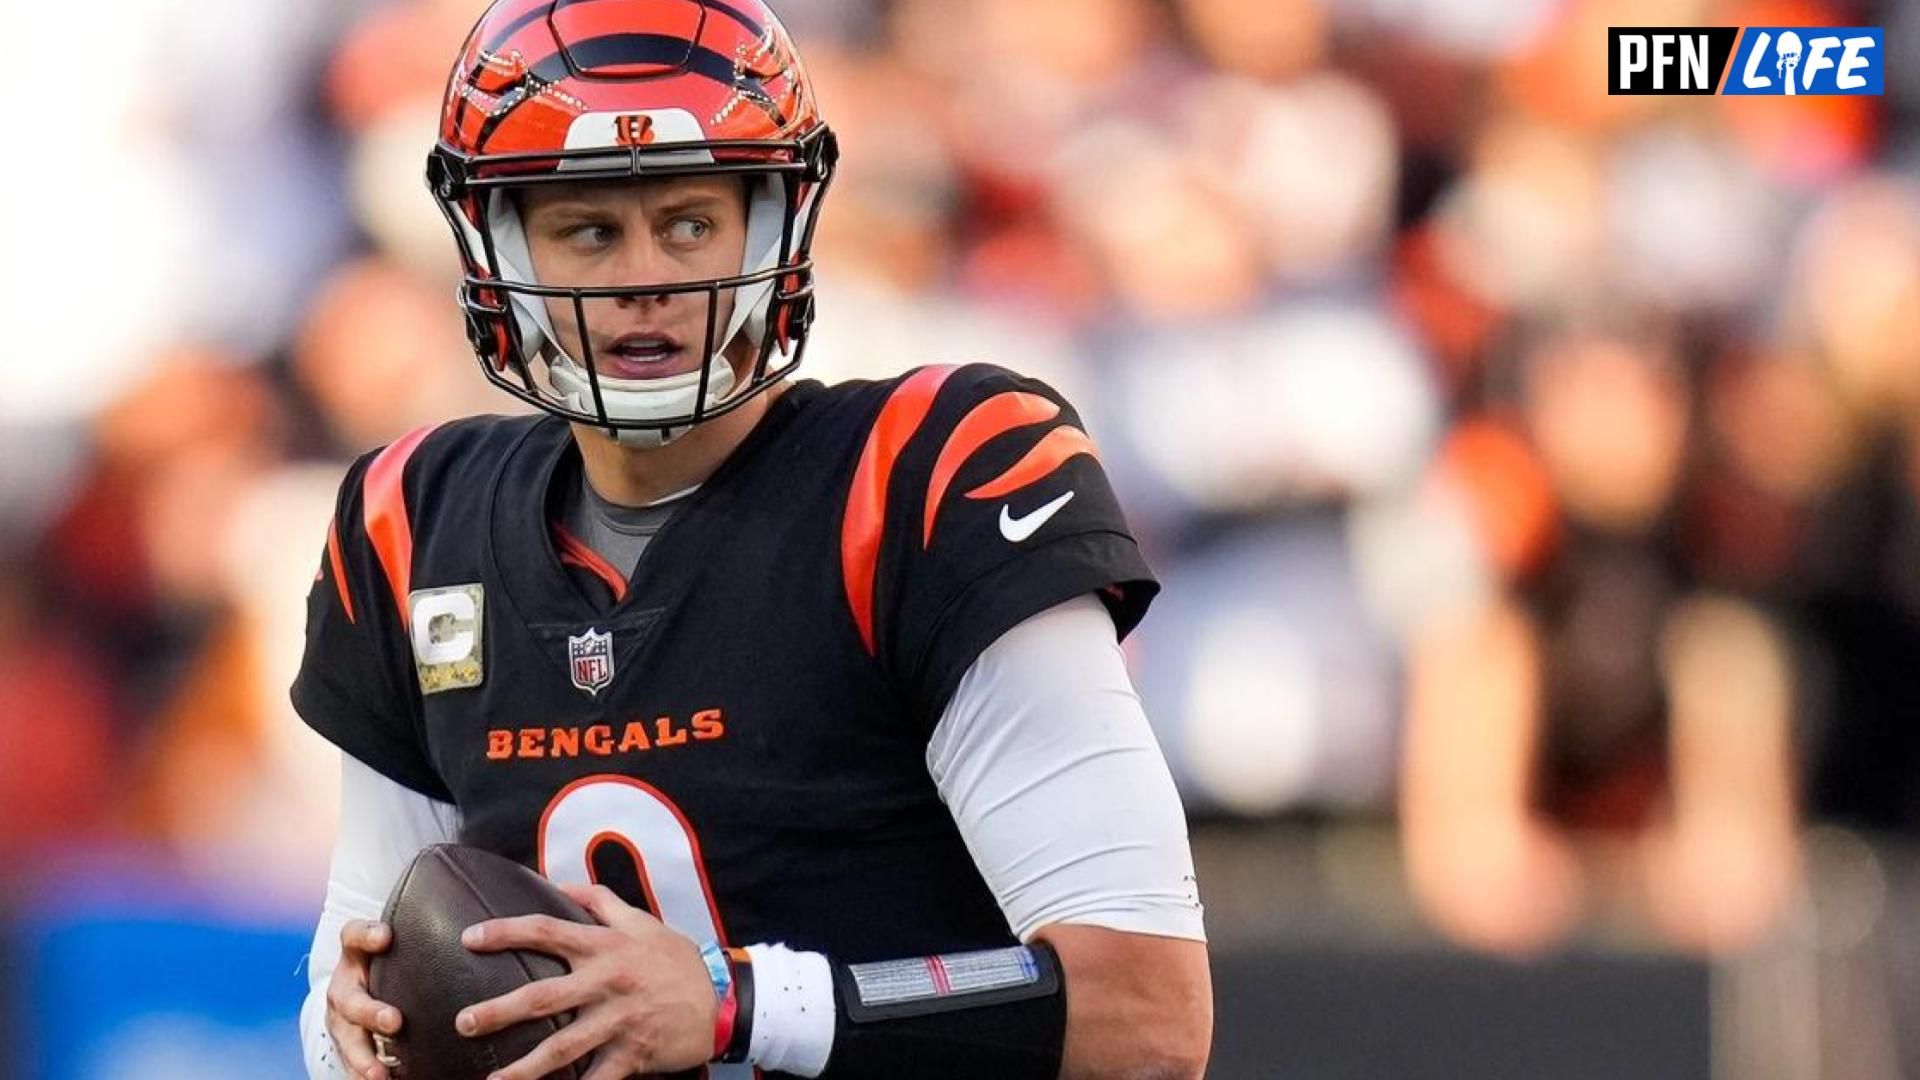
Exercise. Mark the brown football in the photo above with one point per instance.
(430, 976)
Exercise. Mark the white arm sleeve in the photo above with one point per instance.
(1047, 763)
(383, 824)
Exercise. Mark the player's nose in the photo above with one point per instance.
(643, 264)
(631, 300)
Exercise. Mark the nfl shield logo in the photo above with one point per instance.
(590, 656)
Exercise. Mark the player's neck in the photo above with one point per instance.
(626, 476)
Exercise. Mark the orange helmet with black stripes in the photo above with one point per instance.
(591, 91)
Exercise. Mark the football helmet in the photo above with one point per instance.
(591, 91)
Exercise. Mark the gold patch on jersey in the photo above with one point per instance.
(446, 628)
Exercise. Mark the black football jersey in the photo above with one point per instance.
(737, 740)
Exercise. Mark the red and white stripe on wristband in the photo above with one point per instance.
(725, 995)
(902, 982)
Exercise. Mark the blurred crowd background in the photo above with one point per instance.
(1534, 474)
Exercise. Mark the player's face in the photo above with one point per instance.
(638, 234)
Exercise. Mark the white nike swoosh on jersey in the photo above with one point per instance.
(1016, 529)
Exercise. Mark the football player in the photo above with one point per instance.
(812, 696)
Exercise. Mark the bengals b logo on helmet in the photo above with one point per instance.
(633, 129)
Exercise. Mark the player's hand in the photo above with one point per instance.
(352, 1013)
(640, 993)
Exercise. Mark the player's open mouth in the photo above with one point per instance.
(640, 356)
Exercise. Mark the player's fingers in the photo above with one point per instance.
(542, 997)
(540, 932)
(366, 935)
(564, 1047)
(356, 1047)
(594, 898)
(347, 996)
(602, 903)
(608, 1067)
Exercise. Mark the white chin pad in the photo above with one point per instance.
(645, 400)
(642, 400)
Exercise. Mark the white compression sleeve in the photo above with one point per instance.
(1047, 763)
(383, 824)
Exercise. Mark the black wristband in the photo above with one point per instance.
(1013, 1029)
(742, 1040)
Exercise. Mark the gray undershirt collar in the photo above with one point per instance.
(618, 534)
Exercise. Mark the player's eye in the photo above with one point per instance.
(688, 231)
(587, 235)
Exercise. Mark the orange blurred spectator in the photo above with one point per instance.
(1603, 736)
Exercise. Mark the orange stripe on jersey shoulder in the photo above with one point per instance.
(575, 552)
(995, 416)
(339, 565)
(384, 506)
(1047, 455)
(865, 520)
